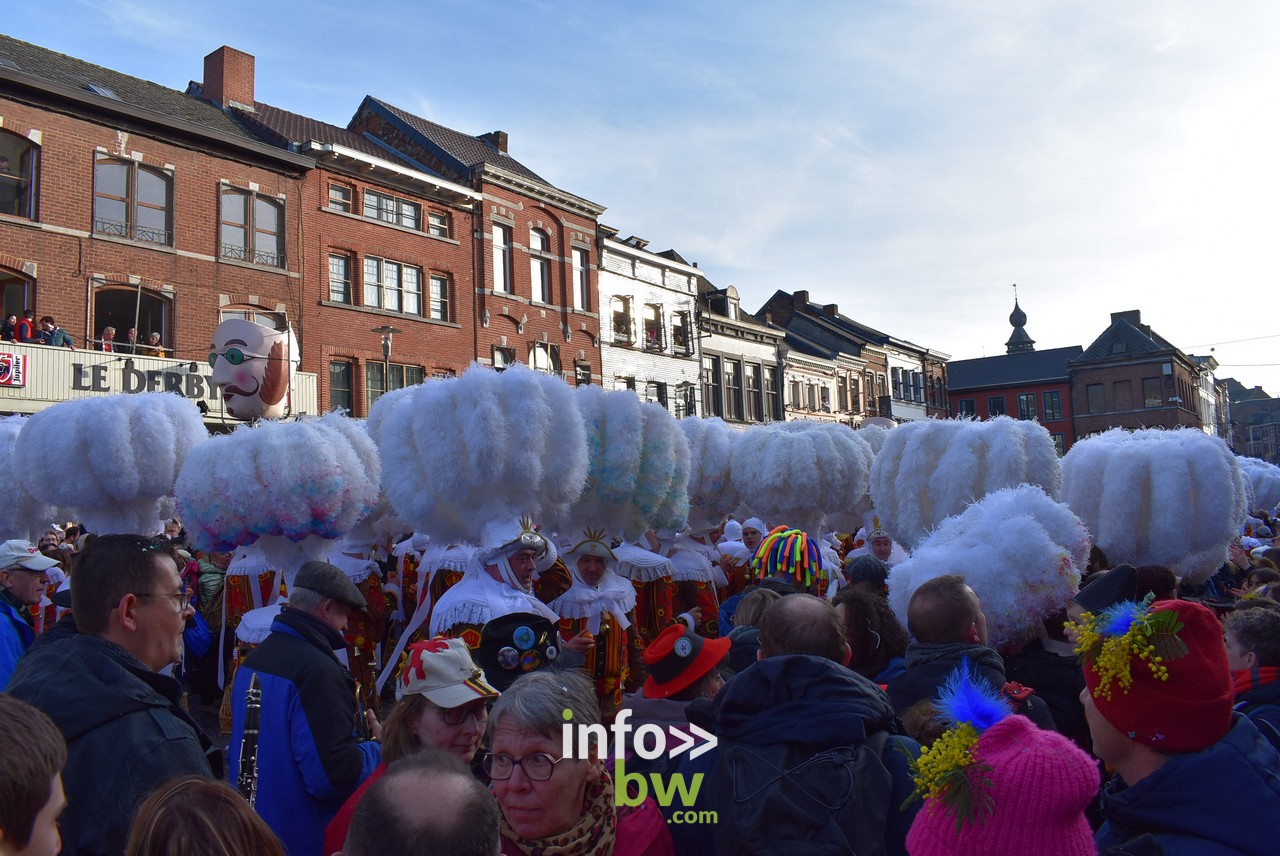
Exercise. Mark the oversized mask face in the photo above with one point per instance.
(253, 366)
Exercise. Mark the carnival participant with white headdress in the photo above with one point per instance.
(499, 582)
(600, 607)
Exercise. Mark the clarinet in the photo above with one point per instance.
(247, 781)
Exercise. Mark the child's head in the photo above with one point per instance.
(32, 754)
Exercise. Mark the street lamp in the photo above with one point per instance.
(386, 331)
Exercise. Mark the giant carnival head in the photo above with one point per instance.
(253, 366)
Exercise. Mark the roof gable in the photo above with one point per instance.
(97, 81)
(1122, 340)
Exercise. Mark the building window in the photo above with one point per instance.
(771, 409)
(132, 201)
(502, 258)
(544, 357)
(1060, 443)
(1152, 395)
(882, 385)
(437, 224)
(439, 298)
(1093, 393)
(855, 394)
(340, 198)
(967, 407)
(340, 397)
(1027, 406)
(392, 286)
(681, 336)
(392, 209)
(811, 397)
(256, 314)
(581, 280)
(19, 171)
(339, 278)
(581, 373)
(795, 395)
(733, 389)
(1052, 406)
(685, 404)
(252, 228)
(656, 392)
(824, 394)
(995, 405)
(917, 381)
(653, 327)
(621, 311)
(375, 383)
(752, 402)
(628, 383)
(896, 374)
(540, 265)
(16, 291)
(711, 384)
(842, 392)
(503, 357)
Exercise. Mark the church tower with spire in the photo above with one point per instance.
(1019, 342)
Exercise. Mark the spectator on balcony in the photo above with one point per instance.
(26, 329)
(130, 343)
(9, 331)
(107, 344)
(52, 334)
(152, 348)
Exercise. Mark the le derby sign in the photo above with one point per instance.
(45, 375)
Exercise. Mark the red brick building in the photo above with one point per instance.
(127, 204)
(536, 256)
(383, 242)
(1131, 377)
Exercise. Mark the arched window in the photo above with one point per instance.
(19, 174)
(132, 201)
(540, 265)
(132, 307)
(257, 314)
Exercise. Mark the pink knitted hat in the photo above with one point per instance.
(1040, 784)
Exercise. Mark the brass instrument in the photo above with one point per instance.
(247, 781)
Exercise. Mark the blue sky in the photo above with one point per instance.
(908, 161)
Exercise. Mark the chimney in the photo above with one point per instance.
(497, 139)
(1133, 316)
(228, 78)
(801, 297)
(830, 310)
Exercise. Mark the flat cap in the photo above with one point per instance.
(330, 581)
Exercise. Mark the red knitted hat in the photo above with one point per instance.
(1186, 710)
(1039, 785)
(677, 658)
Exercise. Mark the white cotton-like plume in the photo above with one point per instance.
(875, 435)
(290, 487)
(21, 514)
(933, 469)
(1020, 551)
(798, 473)
(1155, 497)
(111, 459)
(634, 451)
(1263, 479)
(481, 448)
(712, 496)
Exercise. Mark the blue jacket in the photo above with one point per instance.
(1262, 706)
(309, 758)
(808, 701)
(125, 729)
(1223, 801)
(15, 637)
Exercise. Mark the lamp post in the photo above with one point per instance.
(386, 331)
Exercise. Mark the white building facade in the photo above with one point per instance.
(649, 339)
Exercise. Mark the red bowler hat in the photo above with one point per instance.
(678, 658)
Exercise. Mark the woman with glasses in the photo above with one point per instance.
(442, 700)
(555, 804)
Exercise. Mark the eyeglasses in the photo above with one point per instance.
(235, 356)
(459, 715)
(537, 767)
(182, 598)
